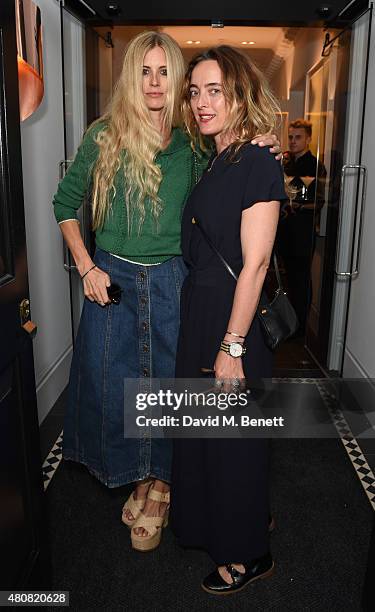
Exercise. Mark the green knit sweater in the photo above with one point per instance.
(152, 245)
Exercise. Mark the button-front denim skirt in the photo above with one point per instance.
(134, 339)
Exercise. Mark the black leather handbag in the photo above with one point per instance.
(277, 318)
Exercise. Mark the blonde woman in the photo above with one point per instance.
(220, 492)
(136, 165)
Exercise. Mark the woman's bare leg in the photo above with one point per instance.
(140, 492)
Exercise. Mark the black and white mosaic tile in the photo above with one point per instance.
(351, 445)
(52, 461)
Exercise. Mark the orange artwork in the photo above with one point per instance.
(29, 57)
(31, 89)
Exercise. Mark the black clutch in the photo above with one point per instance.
(277, 318)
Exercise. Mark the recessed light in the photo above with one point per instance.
(251, 42)
(248, 42)
(244, 42)
(189, 42)
(197, 42)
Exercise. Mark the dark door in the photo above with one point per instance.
(23, 550)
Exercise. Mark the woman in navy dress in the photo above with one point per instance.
(220, 486)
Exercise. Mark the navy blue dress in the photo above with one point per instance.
(220, 486)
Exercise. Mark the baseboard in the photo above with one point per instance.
(352, 367)
(53, 383)
(361, 386)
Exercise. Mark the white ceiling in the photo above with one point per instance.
(264, 38)
(272, 44)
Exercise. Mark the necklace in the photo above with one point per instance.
(212, 163)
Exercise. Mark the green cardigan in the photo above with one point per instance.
(151, 246)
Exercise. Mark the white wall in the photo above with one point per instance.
(309, 45)
(42, 150)
(290, 80)
(360, 344)
(75, 122)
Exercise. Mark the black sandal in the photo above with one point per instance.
(254, 570)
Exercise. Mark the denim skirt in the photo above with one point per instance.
(134, 339)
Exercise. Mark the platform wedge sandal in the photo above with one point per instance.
(134, 505)
(152, 524)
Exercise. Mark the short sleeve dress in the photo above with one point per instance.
(224, 191)
(220, 486)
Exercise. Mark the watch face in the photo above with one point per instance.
(235, 349)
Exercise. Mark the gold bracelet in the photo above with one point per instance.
(236, 335)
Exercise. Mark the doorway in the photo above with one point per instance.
(309, 71)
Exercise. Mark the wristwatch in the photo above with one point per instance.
(234, 349)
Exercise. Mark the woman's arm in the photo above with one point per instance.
(258, 230)
(96, 281)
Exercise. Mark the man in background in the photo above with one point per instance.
(296, 235)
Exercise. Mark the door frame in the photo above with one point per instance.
(33, 569)
(354, 127)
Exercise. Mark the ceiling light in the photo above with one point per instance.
(197, 42)
(248, 42)
(251, 42)
(189, 42)
(244, 42)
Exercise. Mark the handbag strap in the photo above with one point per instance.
(277, 272)
(226, 264)
(210, 243)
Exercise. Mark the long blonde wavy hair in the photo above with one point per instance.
(129, 140)
(252, 108)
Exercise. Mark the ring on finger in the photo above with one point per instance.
(218, 382)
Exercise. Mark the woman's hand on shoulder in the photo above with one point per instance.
(95, 286)
(269, 140)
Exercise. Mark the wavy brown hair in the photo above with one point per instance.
(252, 107)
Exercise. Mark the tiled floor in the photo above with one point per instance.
(354, 448)
(293, 360)
(52, 425)
(51, 462)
